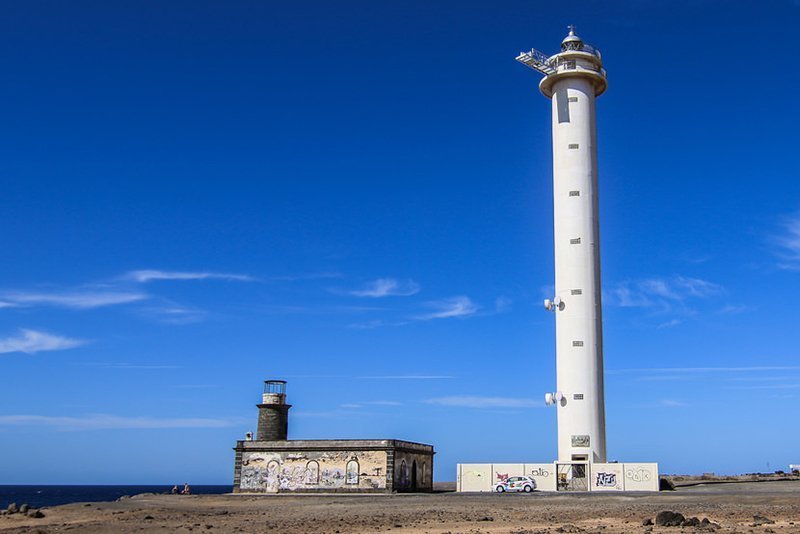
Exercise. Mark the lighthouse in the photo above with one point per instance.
(573, 79)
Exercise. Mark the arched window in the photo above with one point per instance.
(351, 472)
(312, 472)
(403, 474)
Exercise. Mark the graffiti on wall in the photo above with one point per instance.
(275, 471)
(606, 480)
(638, 474)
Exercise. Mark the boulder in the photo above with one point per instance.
(669, 519)
(12, 508)
(36, 514)
(647, 522)
(691, 522)
(759, 520)
(24, 509)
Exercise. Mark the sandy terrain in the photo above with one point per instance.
(732, 506)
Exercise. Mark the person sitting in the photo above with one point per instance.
(186, 489)
(174, 490)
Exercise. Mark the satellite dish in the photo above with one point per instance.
(548, 304)
(548, 399)
(559, 396)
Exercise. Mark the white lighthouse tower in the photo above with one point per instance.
(573, 78)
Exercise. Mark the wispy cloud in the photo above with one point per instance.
(123, 365)
(405, 377)
(706, 369)
(174, 314)
(387, 287)
(150, 275)
(361, 404)
(460, 306)
(310, 276)
(788, 243)
(90, 298)
(115, 422)
(662, 293)
(484, 402)
(669, 324)
(33, 341)
(672, 403)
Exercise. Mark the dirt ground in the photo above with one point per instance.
(731, 506)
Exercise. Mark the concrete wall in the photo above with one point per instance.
(412, 471)
(313, 470)
(602, 477)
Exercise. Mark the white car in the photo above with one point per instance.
(526, 484)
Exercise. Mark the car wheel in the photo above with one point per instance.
(500, 489)
(528, 489)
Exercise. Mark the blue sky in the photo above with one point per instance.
(356, 197)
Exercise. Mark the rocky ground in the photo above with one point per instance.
(743, 507)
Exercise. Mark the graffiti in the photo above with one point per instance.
(638, 475)
(580, 441)
(539, 472)
(501, 477)
(352, 472)
(312, 473)
(606, 480)
(273, 472)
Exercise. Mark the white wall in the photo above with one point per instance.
(612, 476)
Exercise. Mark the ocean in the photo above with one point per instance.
(39, 496)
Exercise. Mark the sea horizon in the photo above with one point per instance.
(43, 495)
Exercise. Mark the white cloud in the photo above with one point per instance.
(660, 292)
(8, 304)
(671, 403)
(707, 369)
(149, 275)
(114, 422)
(405, 377)
(788, 243)
(387, 287)
(485, 402)
(452, 307)
(73, 299)
(173, 314)
(33, 341)
(669, 324)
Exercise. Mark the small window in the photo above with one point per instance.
(577, 343)
(576, 292)
(573, 146)
(575, 241)
(574, 193)
(573, 99)
(577, 396)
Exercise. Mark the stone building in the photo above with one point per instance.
(271, 463)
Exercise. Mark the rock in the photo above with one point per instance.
(487, 518)
(647, 522)
(691, 522)
(759, 520)
(705, 524)
(148, 517)
(569, 529)
(36, 514)
(24, 508)
(12, 508)
(669, 519)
